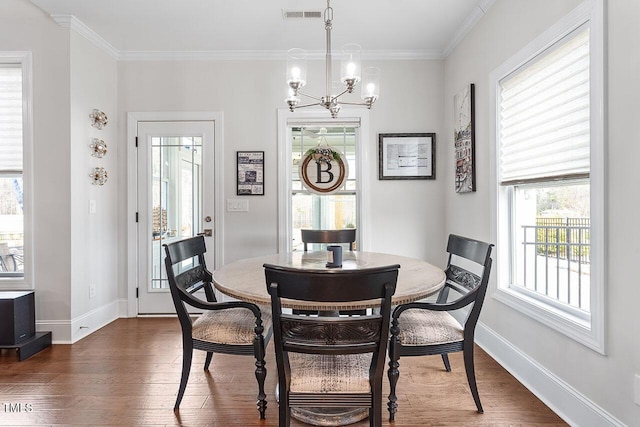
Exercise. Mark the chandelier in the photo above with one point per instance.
(350, 75)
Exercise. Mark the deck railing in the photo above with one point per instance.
(556, 260)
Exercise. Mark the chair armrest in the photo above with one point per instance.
(204, 305)
(450, 306)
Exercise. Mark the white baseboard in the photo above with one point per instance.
(564, 400)
(71, 331)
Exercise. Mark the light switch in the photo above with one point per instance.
(92, 206)
(237, 205)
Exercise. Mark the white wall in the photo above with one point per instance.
(605, 380)
(93, 236)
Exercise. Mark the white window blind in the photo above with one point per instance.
(544, 115)
(10, 119)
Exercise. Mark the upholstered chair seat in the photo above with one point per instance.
(424, 327)
(344, 373)
(233, 326)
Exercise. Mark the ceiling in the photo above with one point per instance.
(384, 28)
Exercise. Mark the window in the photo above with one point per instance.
(325, 212)
(298, 208)
(14, 145)
(549, 165)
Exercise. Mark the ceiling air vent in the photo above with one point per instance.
(291, 14)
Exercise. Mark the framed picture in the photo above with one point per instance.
(407, 156)
(250, 173)
(465, 140)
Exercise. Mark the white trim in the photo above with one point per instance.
(363, 177)
(593, 336)
(571, 405)
(270, 55)
(27, 281)
(219, 213)
(73, 23)
(71, 331)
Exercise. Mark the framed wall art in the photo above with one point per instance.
(250, 166)
(407, 156)
(464, 139)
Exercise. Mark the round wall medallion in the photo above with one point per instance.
(323, 170)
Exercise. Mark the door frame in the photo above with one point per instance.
(132, 190)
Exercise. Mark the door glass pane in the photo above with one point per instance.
(176, 197)
(332, 211)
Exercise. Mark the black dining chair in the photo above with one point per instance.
(343, 235)
(428, 328)
(239, 328)
(330, 362)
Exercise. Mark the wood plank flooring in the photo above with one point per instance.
(127, 374)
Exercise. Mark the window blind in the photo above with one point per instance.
(10, 119)
(544, 115)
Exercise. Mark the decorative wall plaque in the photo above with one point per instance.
(323, 170)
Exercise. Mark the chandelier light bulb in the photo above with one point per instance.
(371, 88)
(351, 69)
(295, 74)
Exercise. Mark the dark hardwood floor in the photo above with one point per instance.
(127, 374)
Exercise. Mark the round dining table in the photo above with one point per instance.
(245, 280)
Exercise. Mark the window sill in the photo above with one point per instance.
(574, 327)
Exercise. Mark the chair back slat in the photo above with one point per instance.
(299, 331)
(462, 280)
(185, 249)
(474, 250)
(346, 235)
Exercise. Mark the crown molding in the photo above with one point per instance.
(73, 23)
(272, 55)
(470, 21)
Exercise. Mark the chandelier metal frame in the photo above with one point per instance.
(296, 76)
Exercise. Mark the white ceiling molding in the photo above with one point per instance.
(70, 21)
(467, 25)
(269, 55)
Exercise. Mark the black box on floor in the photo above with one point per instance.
(17, 317)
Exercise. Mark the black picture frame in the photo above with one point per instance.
(465, 140)
(406, 156)
(250, 173)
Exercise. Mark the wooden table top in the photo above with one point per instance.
(245, 280)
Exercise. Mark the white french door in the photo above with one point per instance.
(175, 169)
